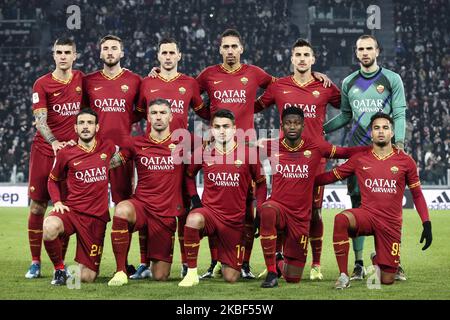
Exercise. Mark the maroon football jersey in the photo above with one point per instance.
(62, 101)
(227, 178)
(86, 172)
(160, 175)
(114, 100)
(294, 170)
(181, 91)
(234, 90)
(382, 182)
(311, 97)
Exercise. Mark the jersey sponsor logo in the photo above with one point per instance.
(244, 80)
(293, 171)
(368, 105)
(153, 90)
(316, 93)
(55, 94)
(182, 90)
(230, 96)
(35, 97)
(124, 88)
(381, 185)
(224, 179)
(380, 89)
(394, 169)
(92, 175)
(110, 104)
(217, 82)
(97, 88)
(77, 163)
(176, 106)
(158, 163)
(309, 111)
(307, 153)
(67, 109)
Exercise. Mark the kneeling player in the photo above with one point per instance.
(294, 161)
(384, 173)
(85, 212)
(157, 200)
(228, 174)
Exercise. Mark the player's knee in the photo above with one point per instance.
(194, 220)
(160, 275)
(123, 211)
(292, 279)
(341, 222)
(387, 278)
(230, 275)
(37, 207)
(88, 276)
(50, 228)
(268, 216)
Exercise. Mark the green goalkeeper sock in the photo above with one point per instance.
(358, 246)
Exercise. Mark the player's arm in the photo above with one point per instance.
(200, 102)
(412, 179)
(322, 78)
(265, 100)
(139, 108)
(399, 111)
(259, 178)
(40, 116)
(189, 179)
(344, 117)
(334, 152)
(57, 174)
(339, 173)
(122, 156)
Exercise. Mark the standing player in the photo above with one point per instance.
(56, 100)
(365, 92)
(383, 172)
(228, 173)
(85, 212)
(157, 200)
(233, 85)
(182, 92)
(303, 91)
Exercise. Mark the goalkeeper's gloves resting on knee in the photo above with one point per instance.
(426, 235)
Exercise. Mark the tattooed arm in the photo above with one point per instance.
(41, 124)
(116, 160)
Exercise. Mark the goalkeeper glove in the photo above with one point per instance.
(256, 223)
(196, 202)
(426, 235)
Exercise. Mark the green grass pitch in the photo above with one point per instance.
(428, 271)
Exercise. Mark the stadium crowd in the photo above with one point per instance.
(422, 59)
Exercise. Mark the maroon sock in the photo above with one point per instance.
(54, 251)
(120, 240)
(65, 245)
(143, 246)
(212, 241)
(191, 245)
(268, 231)
(35, 231)
(249, 237)
(315, 238)
(341, 242)
(181, 224)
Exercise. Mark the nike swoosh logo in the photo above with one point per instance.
(216, 82)
(154, 90)
(396, 261)
(209, 164)
(366, 168)
(284, 92)
(96, 263)
(96, 89)
(239, 264)
(56, 94)
(145, 148)
(77, 163)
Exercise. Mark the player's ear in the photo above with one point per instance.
(97, 127)
(313, 60)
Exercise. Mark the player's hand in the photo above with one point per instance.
(58, 145)
(60, 207)
(426, 235)
(323, 78)
(256, 223)
(154, 72)
(71, 143)
(196, 202)
(400, 147)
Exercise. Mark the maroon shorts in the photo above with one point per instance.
(319, 190)
(90, 233)
(40, 166)
(296, 233)
(387, 240)
(121, 182)
(229, 239)
(160, 232)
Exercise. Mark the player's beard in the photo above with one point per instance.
(86, 140)
(381, 144)
(368, 64)
(110, 64)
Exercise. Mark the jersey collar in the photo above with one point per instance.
(90, 149)
(113, 78)
(292, 149)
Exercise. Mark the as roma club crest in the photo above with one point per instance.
(244, 80)
(172, 146)
(78, 89)
(103, 156)
(307, 153)
(394, 169)
(124, 88)
(182, 90)
(316, 93)
(32, 189)
(380, 89)
(238, 163)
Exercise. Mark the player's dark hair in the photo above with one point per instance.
(292, 110)
(368, 36)
(159, 101)
(379, 115)
(87, 111)
(65, 42)
(111, 37)
(231, 33)
(224, 113)
(302, 43)
(168, 40)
